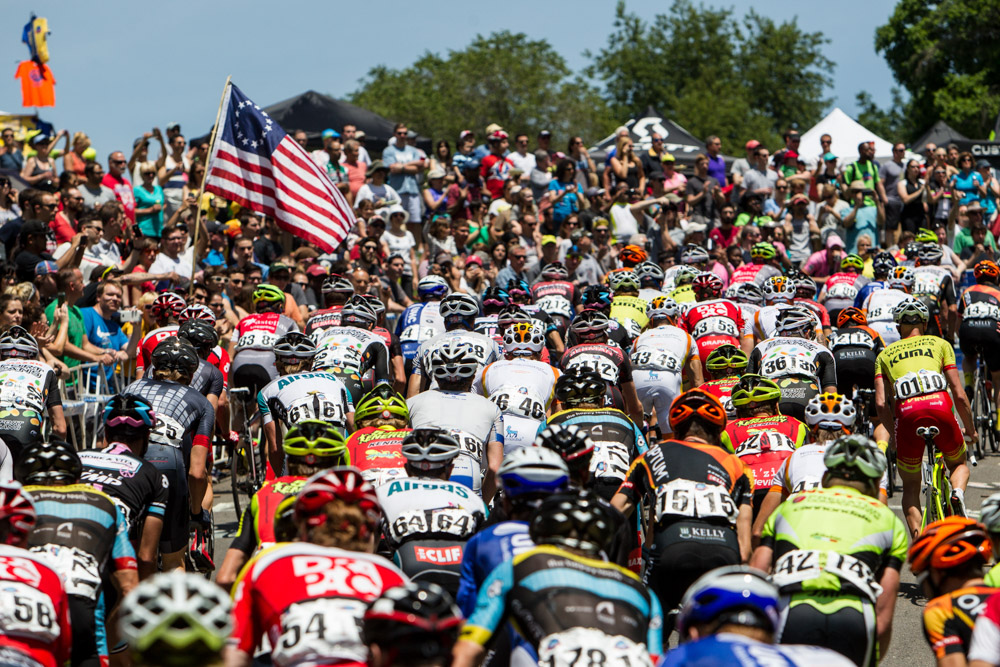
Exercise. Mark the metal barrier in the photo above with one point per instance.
(85, 393)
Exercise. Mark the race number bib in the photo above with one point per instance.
(610, 461)
(22, 391)
(842, 291)
(338, 356)
(595, 362)
(417, 334)
(852, 339)
(446, 521)
(380, 476)
(80, 571)
(765, 441)
(167, 431)
(554, 304)
(586, 647)
(927, 284)
(982, 311)
(257, 340)
(880, 313)
(314, 406)
(27, 612)
(715, 326)
(685, 498)
(918, 383)
(468, 467)
(783, 365)
(325, 630)
(512, 401)
(655, 360)
(796, 567)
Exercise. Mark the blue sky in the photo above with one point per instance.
(123, 66)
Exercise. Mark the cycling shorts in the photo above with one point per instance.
(175, 521)
(795, 395)
(657, 389)
(859, 373)
(87, 632)
(253, 369)
(933, 409)
(841, 623)
(19, 429)
(683, 551)
(435, 561)
(355, 385)
(981, 335)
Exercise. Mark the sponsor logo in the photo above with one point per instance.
(439, 555)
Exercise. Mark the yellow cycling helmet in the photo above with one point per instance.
(382, 401)
(853, 261)
(267, 293)
(312, 439)
(755, 389)
(284, 526)
(726, 356)
(764, 250)
(925, 236)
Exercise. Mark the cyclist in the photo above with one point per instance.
(336, 291)
(426, 519)
(662, 356)
(837, 551)
(882, 268)
(208, 380)
(617, 440)
(840, 289)
(519, 294)
(714, 321)
(779, 295)
(310, 446)
(723, 369)
(164, 311)
(382, 420)
(352, 351)
(912, 379)
(252, 344)
(801, 366)
(568, 610)
(556, 295)
(459, 312)
(300, 393)
(414, 625)
(748, 296)
(391, 341)
(947, 559)
(135, 485)
(218, 356)
(700, 496)
(422, 321)
(82, 534)
(881, 303)
(805, 295)
(980, 311)
(650, 277)
(310, 596)
(598, 298)
(626, 307)
(176, 618)
(683, 291)
(730, 616)
(763, 265)
(476, 421)
(494, 300)
(42, 635)
(934, 286)
(855, 348)
(28, 389)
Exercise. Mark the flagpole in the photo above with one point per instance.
(201, 187)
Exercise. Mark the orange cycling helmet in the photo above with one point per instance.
(986, 270)
(949, 543)
(851, 317)
(631, 255)
(697, 403)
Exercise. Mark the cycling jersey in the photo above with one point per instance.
(260, 331)
(218, 357)
(485, 349)
(310, 601)
(733, 649)
(170, 464)
(684, 297)
(753, 273)
(804, 470)
(949, 619)
(135, 485)
(714, 323)
(986, 636)
(630, 312)
(934, 286)
(207, 380)
(980, 309)
(610, 362)
(867, 289)
(659, 357)
(418, 323)
(323, 319)
(765, 324)
(485, 550)
(878, 309)
(557, 298)
(855, 349)
(818, 309)
(764, 453)
(351, 350)
(740, 429)
(34, 611)
(802, 368)
(618, 336)
(840, 290)
(377, 451)
(489, 326)
(184, 418)
(523, 389)
(28, 384)
(256, 529)
(722, 389)
(647, 294)
(561, 601)
(311, 395)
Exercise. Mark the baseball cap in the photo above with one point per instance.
(34, 227)
(497, 135)
(790, 155)
(442, 258)
(437, 172)
(549, 238)
(545, 133)
(667, 157)
(834, 241)
(327, 133)
(359, 135)
(278, 266)
(174, 125)
(600, 222)
(465, 133)
(316, 270)
(45, 268)
(106, 272)
(473, 259)
(829, 156)
(983, 164)
(594, 192)
(752, 144)
(139, 141)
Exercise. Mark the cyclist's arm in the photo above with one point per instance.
(241, 548)
(149, 545)
(198, 477)
(885, 606)
(744, 524)
(827, 372)
(126, 575)
(962, 405)
(631, 490)
(767, 506)
(491, 609)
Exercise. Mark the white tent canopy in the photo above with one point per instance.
(846, 133)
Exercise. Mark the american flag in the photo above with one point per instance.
(256, 164)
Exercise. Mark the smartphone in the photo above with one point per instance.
(60, 299)
(136, 231)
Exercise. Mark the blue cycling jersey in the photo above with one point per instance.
(859, 300)
(724, 650)
(419, 322)
(483, 552)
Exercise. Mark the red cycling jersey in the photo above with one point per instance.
(377, 447)
(218, 357)
(323, 319)
(818, 309)
(722, 389)
(310, 601)
(714, 323)
(34, 611)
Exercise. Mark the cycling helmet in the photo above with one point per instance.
(796, 321)
(631, 255)
(47, 462)
(750, 293)
(341, 483)
(883, 264)
(177, 615)
(650, 275)
(925, 235)
(910, 311)
(432, 286)
(778, 289)
(570, 442)
(989, 514)
(555, 271)
(511, 314)
(707, 285)
(200, 333)
(453, 361)
(494, 297)
(911, 249)
(294, 346)
(850, 317)
(987, 271)
(805, 287)
(523, 339)
(166, 305)
(267, 293)
(901, 278)
(358, 313)
(948, 543)
(382, 401)
(685, 275)
(694, 254)
(430, 448)
(852, 261)
(597, 296)
(129, 410)
(726, 356)
(753, 388)
(662, 308)
(17, 511)
(590, 324)
(376, 303)
(580, 385)
(196, 311)
(852, 455)
(735, 594)
(697, 403)
(418, 620)
(929, 253)
(284, 520)
(831, 412)
(533, 471)
(313, 440)
(763, 250)
(175, 354)
(518, 291)
(623, 280)
(579, 521)
(17, 343)
(337, 284)
(459, 307)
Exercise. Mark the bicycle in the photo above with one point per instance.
(937, 486)
(984, 414)
(249, 459)
(862, 399)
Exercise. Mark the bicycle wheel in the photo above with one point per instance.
(243, 476)
(980, 411)
(942, 488)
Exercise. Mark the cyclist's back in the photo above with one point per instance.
(253, 356)
(256, 527)
(735, 649)
(309, 395)
(855, 349)
(38, 633)
(935, 287)
(980, 311)
(486, 550)
(523, 389)
(949, 619)
(377, 451)
(418, 323)
(879, 307)
(485, 349)
(134, 484)
(184, 418)
(29, 389)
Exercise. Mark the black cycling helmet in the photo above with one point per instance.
(579, 521)
(580, 385)
(494, 300)
(49, 462)
(129, 419)
(416, 623)
(175, 354)
(199, 333)
(883, 264)
(17, 343)
(590, 324)
(511, 314)
(293, 346)
(357, 312)
(571, 443)
(596, 297)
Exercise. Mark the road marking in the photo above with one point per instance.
(984, 485)
(222, 507)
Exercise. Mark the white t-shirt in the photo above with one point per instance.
(164, 264)
(375, 192)
(402, 245)
(624, 221)
(523, 162)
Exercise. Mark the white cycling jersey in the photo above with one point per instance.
(765, 321)
(647, 294)
(659, 357)
(804, 470)
(879, 306)
(483, 348)
(415, 506)
(312, 395)
(350, 349)
(25, 384)
(523, 389)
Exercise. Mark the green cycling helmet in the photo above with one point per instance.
(854, 455)
(266, 293)
(726, 356)
(313, 439)
(754, 388)
(685, 276)
(853, 261)
(382, 401)
(763, 249)
(925, 235)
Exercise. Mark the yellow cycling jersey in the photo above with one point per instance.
(683, 294)
(911, 355)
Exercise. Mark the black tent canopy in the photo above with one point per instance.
(676, 140)
(939, 134)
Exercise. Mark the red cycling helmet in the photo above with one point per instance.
(18, 511)
(196, 311)
(342, 483)
(707, 285)
(852, 317)
(167, 304)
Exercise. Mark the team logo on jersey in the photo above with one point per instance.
(20, 569)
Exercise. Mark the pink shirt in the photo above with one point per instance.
(817, 264)
(355, 175)
(123, 191)
(678, 180)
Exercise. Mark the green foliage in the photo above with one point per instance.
(752, 79)
(891, 123)
(505, 78)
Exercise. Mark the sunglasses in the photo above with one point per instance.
(236, 281)
(303, 285)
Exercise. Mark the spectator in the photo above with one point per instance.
(356, 169)
(652, 162)
(760, 179)
(541, 175)
(965, 236)
(626, 166)
(116, 181)
(674, 182)
(322, 156)
(149, 202)
(495, 168)
(515, 268)
(66, 222)
(740, 167)
(703, 193)
(824, 263)
(435, 201)
(564, 196)
(910, 191)
(801, 230)
(830, 212)
(866, 170)
(716, 163)
(521, 158)
(404, 163)
(39, 170)
(174, 175)
(586, 171)
(398, 240)
(893, 172)
(376, 189)
(862, 218)
(101, 324)
(170, 258)
(11, 157)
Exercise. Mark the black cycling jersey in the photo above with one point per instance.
(136, 486)
(854, 350)
(208, 379)
(184, 417)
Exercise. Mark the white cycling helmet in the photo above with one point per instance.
(453, 361)
(831, 412)
(432, 286)
(989, 514)
(749, 293)
(778, 289)
(524, 339)
(910, 311)
(796, 321)
(662, 307)
(901, 278)
(533, 470)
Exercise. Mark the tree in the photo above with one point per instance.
(946, 54)
(890, 123)
(747, 80)
(522, 84)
